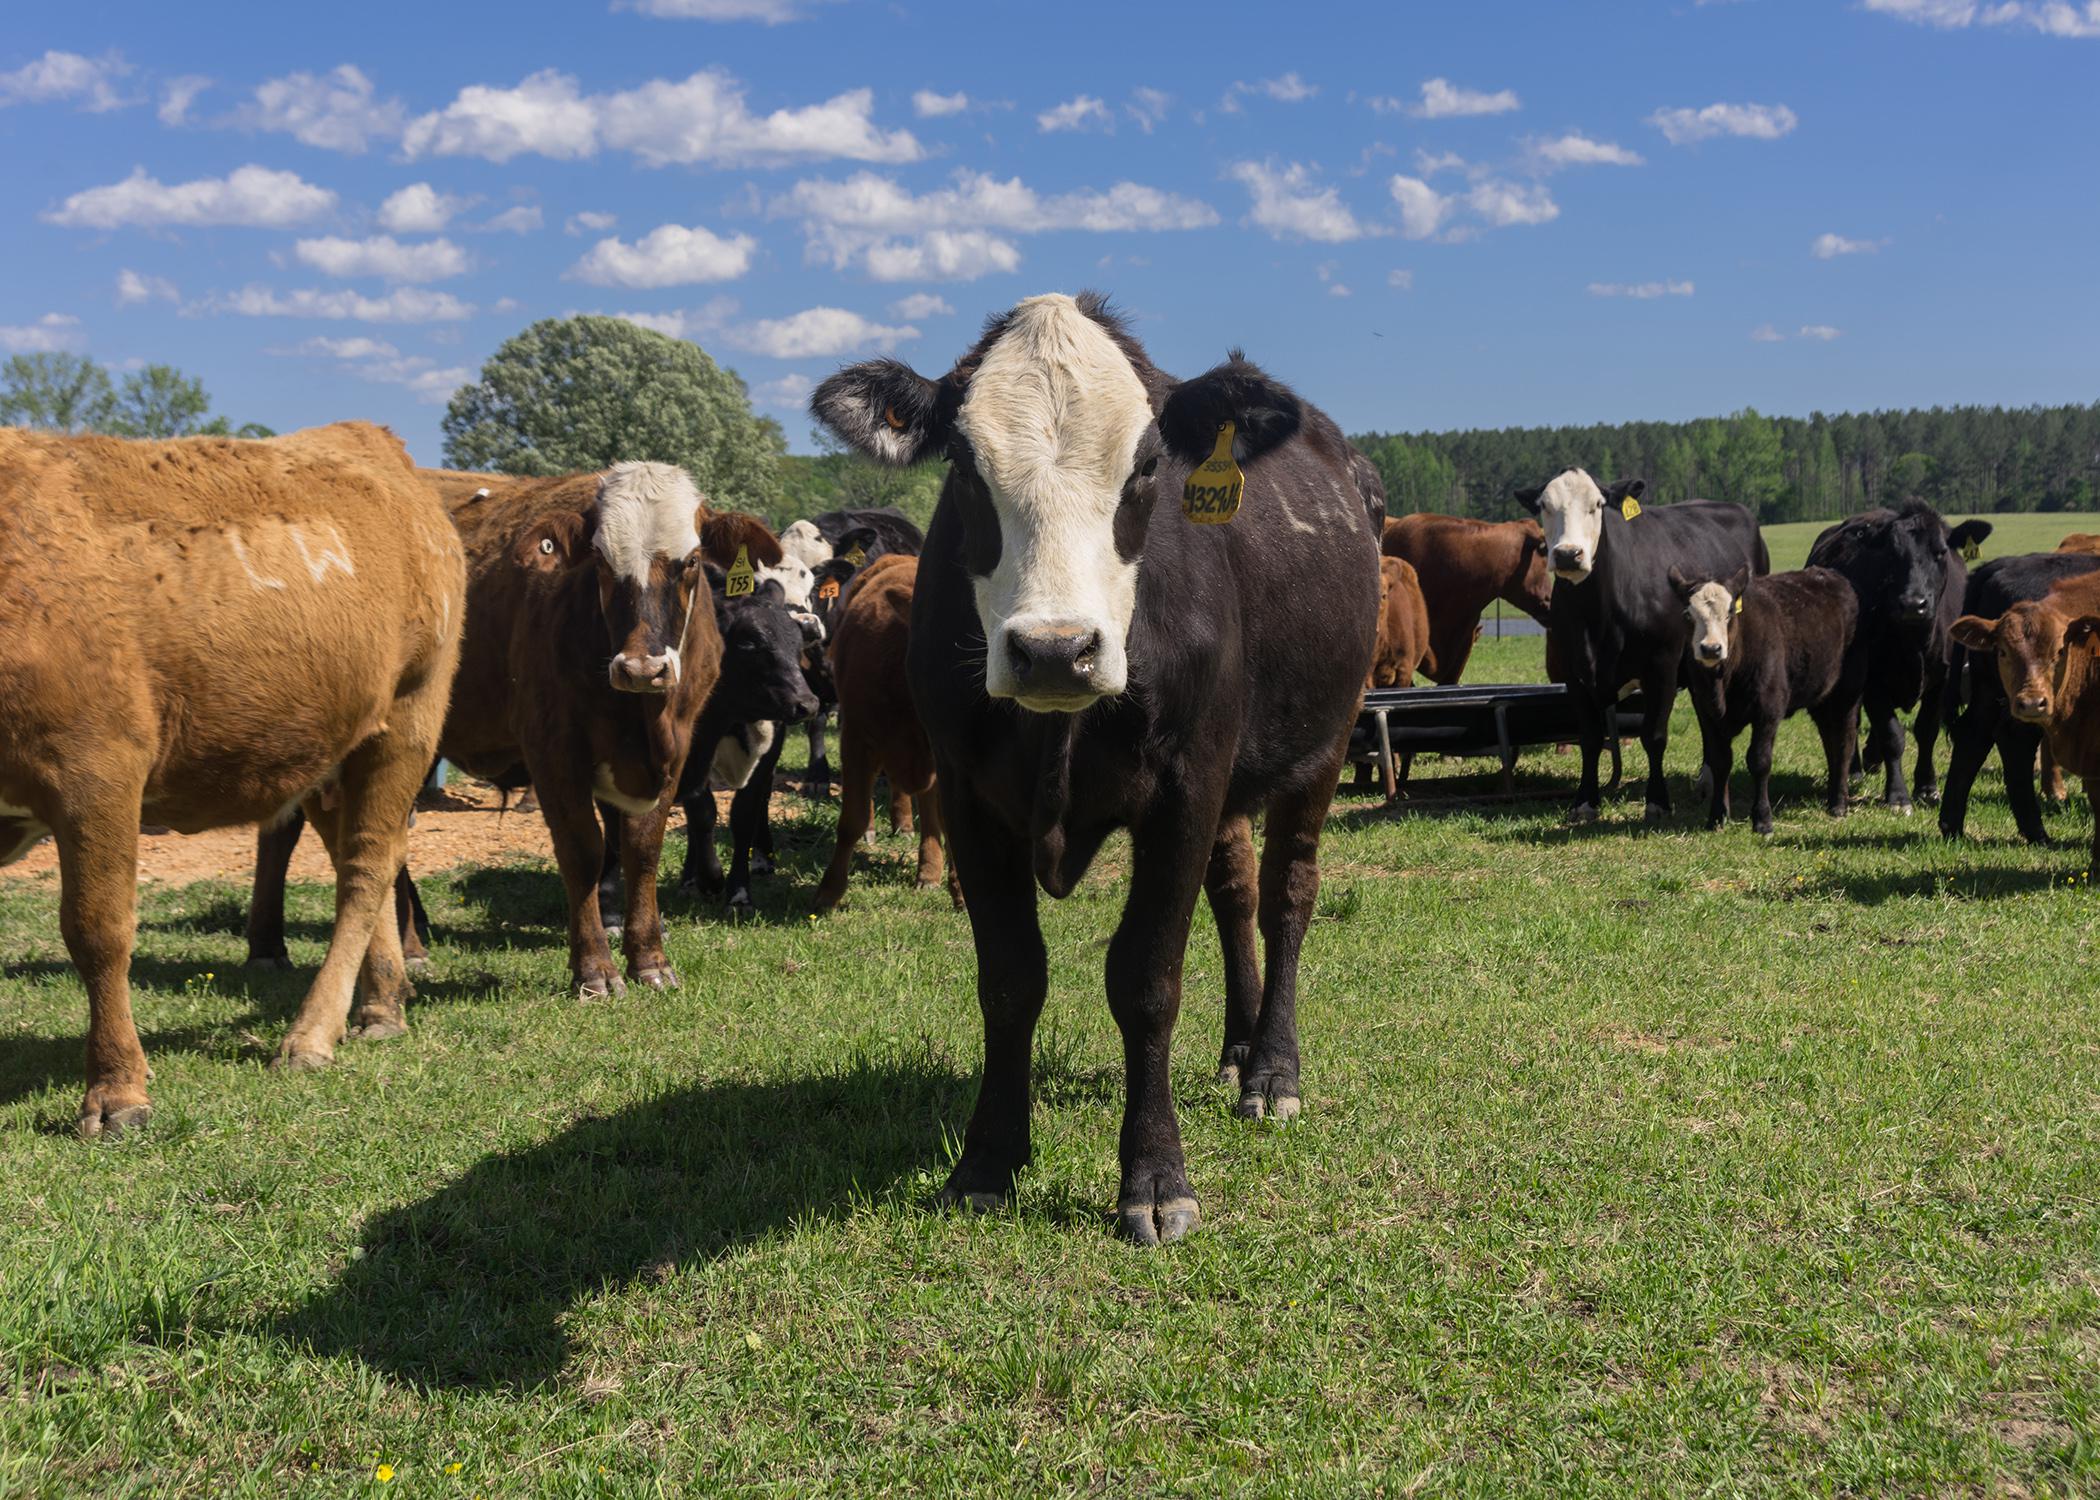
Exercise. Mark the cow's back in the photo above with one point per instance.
(247, 609)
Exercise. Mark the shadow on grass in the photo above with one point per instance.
(470, 1287)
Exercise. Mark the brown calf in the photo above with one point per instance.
(2080, 541)
(2048, 653)
(206, 632)
(1403, 628)
(1463, 567)
(878, 726)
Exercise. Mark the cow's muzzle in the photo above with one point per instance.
(1054, 668)
(644, 674)
(1709, 656)
(2032, 707)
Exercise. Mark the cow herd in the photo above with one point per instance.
(206, 632)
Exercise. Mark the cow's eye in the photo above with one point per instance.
(1150, 468)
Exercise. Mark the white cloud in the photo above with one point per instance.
(921, 305)
(132, 288)
(788, 393)
(92, 81)
(1289, 89)
(1400, 281)
(336, 111)
(524, 219)
(1496, 202)
(406, 304)
(1148, 107)
(1503, 204)
(1760, 122)
(420, 208)
(47, 335)
(1429, 163)
(669, 255)
(378, 361)
(816, 333)
(1831, 246)
(687, 323)
(591, 220)
(1821, 332)
(1444, 100)
(703, 118)
(1641, 291)
(177, 95)
(941, 255)
(1289, 206)
(252, 197)
(350, 348)
(1076, 114)
(1577, 150)
(383, 256)
(766, 12)
(928, 105)
(2050, 17)
(1765, 333)
(1422, 207)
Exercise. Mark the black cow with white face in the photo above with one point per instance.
(1615, 618)
(1084, 659)
(1906, 566)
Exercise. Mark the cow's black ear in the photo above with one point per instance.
(2081, 630)
(1683, 585)
(1738, 581)
(717, 581)
(1529, 498)
(1264, 412)
(884, 409)
(1968, 533)
(1626, 489)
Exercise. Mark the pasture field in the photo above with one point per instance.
(1633, 1161)
(2020, 531)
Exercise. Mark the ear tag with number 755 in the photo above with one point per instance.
(1212, 494)
(743, 579)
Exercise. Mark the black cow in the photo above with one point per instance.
(1993, 589)
(1764, 648)
(1614, 617)
(1085, 660)
(1906, 566)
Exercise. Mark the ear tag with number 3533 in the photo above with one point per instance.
(1212, 494)
(742, 581)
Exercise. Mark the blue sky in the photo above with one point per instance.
(1482, 214)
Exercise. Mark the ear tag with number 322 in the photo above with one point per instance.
(1212, 494)
(742, 581)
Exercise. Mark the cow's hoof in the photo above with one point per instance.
(1764, 827)
(416, 963)
(761, 864)
(1270, 1100)
(108, 1111)
(740, 903)
(1582, 812)
(599, 986)
(1928, 796)
(278, 961)
(1159, 1222)
(1901, 809)
(658, 977)
(380, 1026)
(297, 1056)
(1230, 1061)
(1657, 812)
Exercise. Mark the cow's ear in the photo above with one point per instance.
(1264, 412)
(1968, 534)
(884, 409)
(1682, 584)
(1974, 632)
(769, 591)
(1529, 499)
(1738, 581)
(1626, 489)
(554, 543)
(2081, 630)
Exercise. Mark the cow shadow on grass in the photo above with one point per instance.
(471, 1286)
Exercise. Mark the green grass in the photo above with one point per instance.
(1667, 1162)
(2010, 535)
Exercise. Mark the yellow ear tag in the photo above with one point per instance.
(1970, 551)
(858, 557)
(1630, 507)
(1739, 604)
(742, 580)
(1212, 494)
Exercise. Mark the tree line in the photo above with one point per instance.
(72, 393)
(1963, 459)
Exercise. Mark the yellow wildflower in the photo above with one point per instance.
(384, 1473)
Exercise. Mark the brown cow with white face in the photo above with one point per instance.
(205, 632)
(2048, 654)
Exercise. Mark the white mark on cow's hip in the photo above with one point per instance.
(605, 789)
(240, 552)
(336, 556)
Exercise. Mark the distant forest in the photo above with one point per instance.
(1963, 459)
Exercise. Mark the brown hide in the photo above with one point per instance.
(533, 703)
(727, 530)
(204, 632)
(878, 726)
(2080, 541)
(1403, 627)
(1464, 566)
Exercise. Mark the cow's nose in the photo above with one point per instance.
(1567, 557)
(1054, 663)
(1710, 655)
(2032, 705)
(1914, 604)
(645, 674)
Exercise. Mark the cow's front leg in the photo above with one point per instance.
(1234, 890)
(98, 885)
(1170, 852)
(1887, 731)
(1590, 725)
(642, 937)
(579, 850)
(816, 781)
(1925, 782)
(1972, 736)
(1290, 885)
(273, 862)
(612, 898)
(2018, 744)
(1658, 697)
(1013, 977)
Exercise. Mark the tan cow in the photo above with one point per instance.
(206, 632)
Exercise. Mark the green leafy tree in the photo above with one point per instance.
(573, 394)
(157, 402)
(59, 392)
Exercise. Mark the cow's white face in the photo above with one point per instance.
(1711, 609)
(1054, 417)
(806, 544)
(1571, 509)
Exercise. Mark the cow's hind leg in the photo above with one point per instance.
(2017, 747)
(1887, 728)
(641, 840)
(1012, 979)
(1659, 696)
(856, 809)
(1290, 885)
(273, 859)
(1839, 729)
(98, 841)
(1972, 735)
(931, 864)
(1762, 734)
(1234, 890)
(1925, 780)
(612, 895)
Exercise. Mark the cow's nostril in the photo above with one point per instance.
(1017, 657)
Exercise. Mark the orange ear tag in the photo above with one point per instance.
(742, 580)
(828, 589)
(1212, 494)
